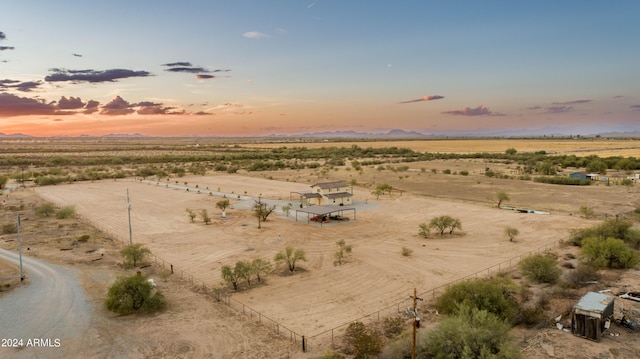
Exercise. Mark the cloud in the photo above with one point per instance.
(617, 96)
(533, 108)
(2, 35)
(77, 55)
(635, 107)
(254, 35)
(117, 107)
(91, 106)
(92, 76)
(187, 69)
(2, 48)
(180, 63)
(12, 105)
(26, 86)
(70, 103)
(571, 102)
(557, 109)
(200, 113)
(204, 77)
(425, 98)
(468, 111)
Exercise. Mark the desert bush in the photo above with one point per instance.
(582, 275)
(9, 228)
(84, 238)
(45, 209)
(331, 354)
(447, 171)
(343, 251)
(66, 212)
(134, 253)
(495, 295)
(531, 314)
(586, 212)
(393, 326)
(424, 230)
(464, 173)
(562, 180)
(608, 253)
(361, 342)
(472, 333)
(134, 294)
(511, 233)
(407, 251)
(540, 268)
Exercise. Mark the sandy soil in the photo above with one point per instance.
(320, 295)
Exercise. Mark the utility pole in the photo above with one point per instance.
(129, 213)
(20, 249)
(416, 321)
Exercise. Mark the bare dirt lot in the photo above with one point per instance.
(320, 295)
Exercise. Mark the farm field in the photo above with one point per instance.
(321, 297)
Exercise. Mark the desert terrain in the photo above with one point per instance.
(319, 298)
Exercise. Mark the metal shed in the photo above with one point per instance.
(592, 315)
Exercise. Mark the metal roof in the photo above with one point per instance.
(337, 195)
(594, 302)
(330, 184)
(322, 210)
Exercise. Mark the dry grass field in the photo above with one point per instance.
(584, 147)
(320, 295)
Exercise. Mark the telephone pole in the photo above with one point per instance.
(129, 213)
(416, 321)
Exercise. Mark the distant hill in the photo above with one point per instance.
(14, 135)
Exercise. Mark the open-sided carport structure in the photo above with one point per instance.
(325, 211)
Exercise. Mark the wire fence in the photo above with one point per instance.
(326, 339)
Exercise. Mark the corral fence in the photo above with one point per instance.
(326, 339)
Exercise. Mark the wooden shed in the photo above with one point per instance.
(592, 315)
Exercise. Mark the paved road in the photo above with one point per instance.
(52, 308)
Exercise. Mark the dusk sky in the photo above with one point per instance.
(236, 68)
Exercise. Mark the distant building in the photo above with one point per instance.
(578, 175)
(327, 193)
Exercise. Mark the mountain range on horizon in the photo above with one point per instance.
(593, 131)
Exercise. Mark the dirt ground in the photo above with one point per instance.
(320, 296)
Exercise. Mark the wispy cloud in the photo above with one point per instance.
(425, 98)
(205, 76)
(575, 102)
(254, 35)
(557, 109)
(2, 37)
(71, 103)
(468, 111)
(25, 86)
(76, 76)
(635, 107)
(187, 67)
(77, 55)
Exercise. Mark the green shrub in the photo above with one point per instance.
(66, 212)
(464, 173)
(495, 295)
(472, 333)
(608, 253)
(407, 251)
(134, 294)
(540, 268)
(84, 238)
(582, 275)
(45, 209)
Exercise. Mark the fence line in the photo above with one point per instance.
(395, 308)
(262, 319)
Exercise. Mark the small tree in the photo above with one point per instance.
(343, 251)
(511, 233)
(45, 209)
(540, 268)
(3, 182)
(262, 211)
(501, 197)
(608, 253)
(134, 253)
(377, 193)
(385, 187)
(424, 230)
(445, 222)
(260, 265)
(362, 342)
(290, 256)
(222, 205)
(235, 274)
(406, 251)
(192, 214)
(134, 294)
(205, 216)
(286, 209)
